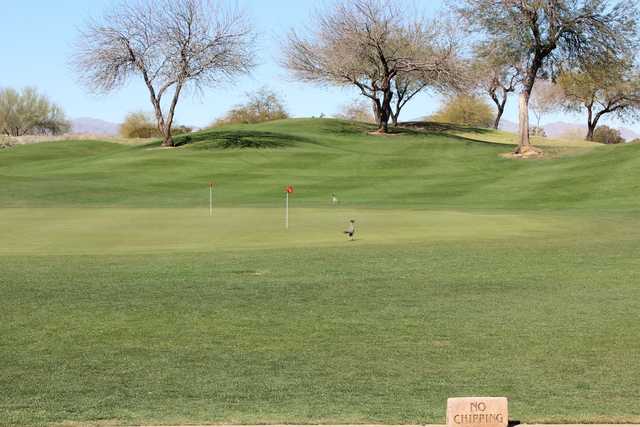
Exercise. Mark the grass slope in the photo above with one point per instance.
(319, 157)
(124, 303)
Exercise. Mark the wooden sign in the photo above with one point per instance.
(477, 412)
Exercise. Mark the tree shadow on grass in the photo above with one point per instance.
(237, 139)
(415, 128)
(449, 130)
(439, 128)
(345, 127)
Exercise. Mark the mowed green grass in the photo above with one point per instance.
(123, 302)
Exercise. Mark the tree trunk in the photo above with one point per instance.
(395, 115)
(524, 143)
(168, 138)
(385, 110)
(591, 124)
(496, 124)
(382, 113)
(383, 125)
(394, 119)
(499, 105)
(167, 141)
(377, 115)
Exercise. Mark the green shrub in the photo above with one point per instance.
(607, 135)
(143, 125)
(262, 106)
(28, 112)
(465, 110)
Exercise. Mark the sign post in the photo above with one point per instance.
(211, 198)
(287, 191)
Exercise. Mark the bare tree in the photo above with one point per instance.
(369, 44)
(170, 44)
(544, 35)
(603, 89)
(546, 98)
(496, 77)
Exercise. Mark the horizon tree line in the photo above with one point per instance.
(584, 48)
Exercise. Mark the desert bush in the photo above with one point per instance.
(30, 113)
(139, 125)
(607, 135)
(358, 110)
(538, 131)
(262, 106)
(465, 110)
(142, 125)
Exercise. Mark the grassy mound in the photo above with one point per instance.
(412, 169)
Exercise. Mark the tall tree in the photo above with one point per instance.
(603, 89)
(546, 34)
(170, 44)
(369, 44)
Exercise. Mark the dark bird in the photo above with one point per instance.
(351, 231)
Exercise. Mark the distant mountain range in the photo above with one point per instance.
(88, 125)
(561, 129)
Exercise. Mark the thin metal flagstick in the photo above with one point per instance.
(210, 198)
(287, 191)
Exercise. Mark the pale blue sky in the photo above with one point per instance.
(36, 38)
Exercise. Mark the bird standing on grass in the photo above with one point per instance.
(351, 231)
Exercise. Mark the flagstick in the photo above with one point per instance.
(286, 210)
(210, 201)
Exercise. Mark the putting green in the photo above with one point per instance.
(68, 231)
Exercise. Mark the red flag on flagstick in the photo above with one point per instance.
(289, 189)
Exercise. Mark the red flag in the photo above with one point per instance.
(289, 189)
